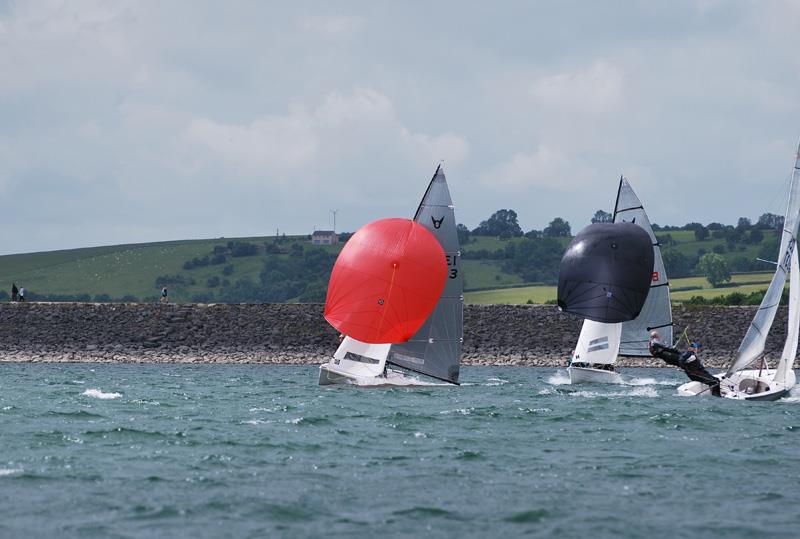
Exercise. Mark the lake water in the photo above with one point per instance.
(261, 450)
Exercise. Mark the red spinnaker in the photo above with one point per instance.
(386, 282)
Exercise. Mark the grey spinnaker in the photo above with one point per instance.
(435, 350)
(605, 272)
(657, 310)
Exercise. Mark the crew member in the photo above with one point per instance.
(669, 355)
(695, 370)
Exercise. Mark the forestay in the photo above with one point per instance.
(598, 344)
(657, 310)
(435, 350)
(754, 340)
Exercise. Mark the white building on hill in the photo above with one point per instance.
(324, 237)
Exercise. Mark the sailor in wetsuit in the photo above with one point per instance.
(695, 370)
(659, 350)
(688, 361)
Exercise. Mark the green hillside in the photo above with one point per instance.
(496, 269)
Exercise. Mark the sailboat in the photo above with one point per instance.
(434, 350)
(600, 343)
(749, 376)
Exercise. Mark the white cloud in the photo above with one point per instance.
(597, 89)
(332, 25)
(544, 168)
(306, 138)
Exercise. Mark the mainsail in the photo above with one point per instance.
(657, 311)
(793, 330)
(435, 350)
(597, 344)
(754, 340)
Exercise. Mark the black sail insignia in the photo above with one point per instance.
(435, 350)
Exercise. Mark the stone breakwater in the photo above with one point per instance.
(528, 335)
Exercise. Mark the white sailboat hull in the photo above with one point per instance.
(586, 375)
(330, 375)
(751, 384)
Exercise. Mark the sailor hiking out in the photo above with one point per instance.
(688, 361)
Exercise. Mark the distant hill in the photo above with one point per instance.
(291, 269)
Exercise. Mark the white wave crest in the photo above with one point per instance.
(634, 381)
(642, 391)
(560, 378)
(9, 471)
(462, 411)
(97, 394)
(495, 382)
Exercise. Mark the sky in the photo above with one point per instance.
(139, 121)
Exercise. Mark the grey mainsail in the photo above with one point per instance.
(657, 311)
(435, 350)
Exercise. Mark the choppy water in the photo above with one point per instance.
(255, 451)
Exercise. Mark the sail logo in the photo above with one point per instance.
(656, 276)
(787, 260)
(437, 224)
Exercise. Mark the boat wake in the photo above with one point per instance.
(97, 394)
(560, 378)
(641, 391)
(634, 381)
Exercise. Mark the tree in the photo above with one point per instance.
(770, 221)
(676, 263)
(501, 223)
(558, 228)
(743, 224)
(463, 234)
(715, 269)
(755, 235)
(601, 216)
(700, 233)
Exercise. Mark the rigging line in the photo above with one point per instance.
(779, 192)
(388, 295)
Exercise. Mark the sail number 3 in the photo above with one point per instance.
(451, 264)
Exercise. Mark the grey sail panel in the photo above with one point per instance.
(657, 310)
(752, 346)
(435, 350)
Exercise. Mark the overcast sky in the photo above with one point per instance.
(143, 121)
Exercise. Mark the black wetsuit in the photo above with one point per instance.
(669, 355)
(690, 364)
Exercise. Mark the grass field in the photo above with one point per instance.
(744, 283)
(123, 270)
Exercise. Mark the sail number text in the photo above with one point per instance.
(452, 262)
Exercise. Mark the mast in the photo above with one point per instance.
(435, 349)
(657, 310)
(793, 327)
(752, 346)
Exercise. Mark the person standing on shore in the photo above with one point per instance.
(22, 294)
(14, 292)
(164, 296)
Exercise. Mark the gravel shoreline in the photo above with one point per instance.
(518, 335)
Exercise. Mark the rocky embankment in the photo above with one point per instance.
(531, 335)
